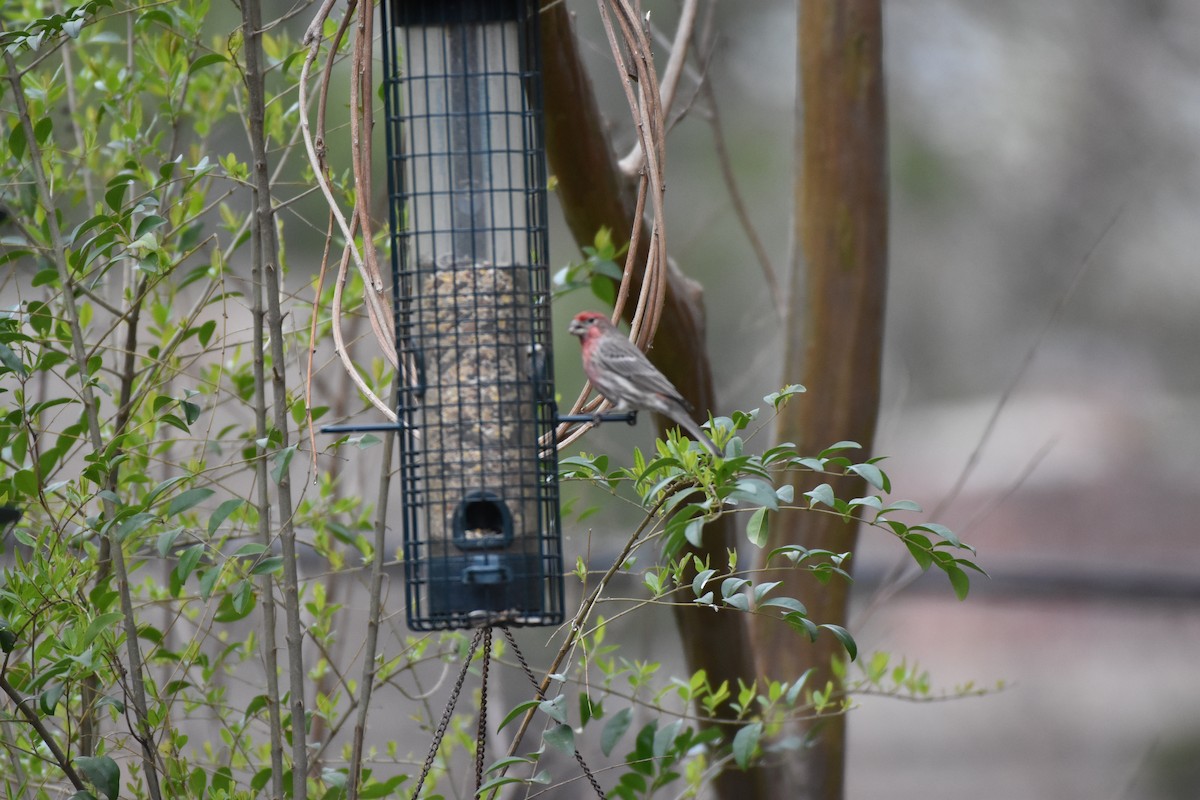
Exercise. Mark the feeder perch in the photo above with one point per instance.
(476, 412)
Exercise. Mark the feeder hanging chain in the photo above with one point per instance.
(481, 731)
(447, 714)
(538, 693)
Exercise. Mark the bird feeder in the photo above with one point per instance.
(476, 411)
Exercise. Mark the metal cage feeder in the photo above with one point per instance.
(476, 411)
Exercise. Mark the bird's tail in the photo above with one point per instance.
(697, 433)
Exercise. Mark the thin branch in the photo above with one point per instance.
(632, 163)
(31, 716)
(367, 682)
(373, 284)
(725, 163)
(585, 610)
(267, 267)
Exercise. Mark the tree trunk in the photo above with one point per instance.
(841, 218)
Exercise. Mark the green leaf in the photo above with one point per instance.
(521, 709)
(116, 193)
(166, 540)
(16, 141)
(561, 738)
(822, 494)
(25, 482)
(208, 580)
(845, 444)
(872, 475)
(100, 623)
(556, 708)
(133, 524)
(944, 532)
(11, 360)
(762, 589)
(777, 399)
(756, 528)
(281, 461)
(222, 513)
(187, 562)
(271, 564)
(205, 333)
(378, 789)
(745, 742)
(789, 604)
(844, 637)
(48, 699)
(43, 129)
(206, 60)
(149, 223)
(188, 499)
(756, 492)
(959, 580)
(614, 729)
(103, 773)
(664, 738)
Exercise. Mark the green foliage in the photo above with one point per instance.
(684, 489)
(599, 271)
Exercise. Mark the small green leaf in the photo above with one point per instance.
(16, 141)
(756, 528)
(281, 461)
(100, 623)
(664, 738)
(206, 60)
(763, 589)
(11, 360)
(789, 604)
(822, 494)
(518, 711)
(222, 513)
(561, 738)
(959, 580)
(844, 637)
(556, 708)
(188, 499)
(270, 564)
(103, 773)
(148, 223)
(745, 742)
(614, 729)
(701, 579)
(43, 129)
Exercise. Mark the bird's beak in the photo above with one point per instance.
(576, 328)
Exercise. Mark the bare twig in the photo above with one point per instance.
(725, 163)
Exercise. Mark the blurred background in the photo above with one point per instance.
(1042, 382)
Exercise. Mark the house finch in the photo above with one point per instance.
(626, 378)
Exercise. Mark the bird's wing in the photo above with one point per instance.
(624, 359)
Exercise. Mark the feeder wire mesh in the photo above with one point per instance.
(472, 313)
